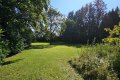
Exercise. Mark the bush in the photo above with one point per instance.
(116, 61)
(96, 63)
(3, 50)
(114, 35)
(16, 44)
(112, 41)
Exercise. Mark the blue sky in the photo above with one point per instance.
(65, 6)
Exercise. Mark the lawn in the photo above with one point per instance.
(41, 62)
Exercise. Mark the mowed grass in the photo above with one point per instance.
(41, 62)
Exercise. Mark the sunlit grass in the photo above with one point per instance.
(46, 63)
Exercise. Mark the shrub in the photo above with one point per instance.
(96, 63)
(16, 44)
(3, 50)
(112, 41)
(116, 61)
(114, 35)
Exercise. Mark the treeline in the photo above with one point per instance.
(87, 24)
(55, 28)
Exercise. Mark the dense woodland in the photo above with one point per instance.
(25, 21)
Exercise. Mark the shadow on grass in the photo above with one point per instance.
(54, 44)
(41, 46)
(78, 71)
(70, 63)
(67, 44)
(74, 67)
(11, 62)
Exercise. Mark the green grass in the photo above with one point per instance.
(41, 62)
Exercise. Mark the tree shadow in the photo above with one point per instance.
(74, 67)
(41, 46)
(54, 44)
(67, 44)
(11, 62)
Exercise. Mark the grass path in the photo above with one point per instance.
(41, 62)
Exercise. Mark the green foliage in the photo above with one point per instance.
(116, 61)
(84, 25)
(3, 51)
(63, 27)
(54, 28)
(97, 63)
(115, 41)
(19, 19)
(114, 35)
(55, 18)
(16, 44)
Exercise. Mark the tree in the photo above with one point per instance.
(70, 34)
(100, 10)
(55, 20)
(18, 18)
(71, 15)
(110, 19)
(87, 23)
(63, 27)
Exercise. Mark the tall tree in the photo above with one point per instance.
(87, 22)
(18, 18)
(55, 18)
(100, 10)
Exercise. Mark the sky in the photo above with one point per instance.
(65, 6)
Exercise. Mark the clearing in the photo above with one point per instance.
(41, 62)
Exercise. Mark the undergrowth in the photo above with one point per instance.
(98, 62)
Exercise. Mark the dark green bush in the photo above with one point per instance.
(16, 44)
(96, 63)
(3, 50)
